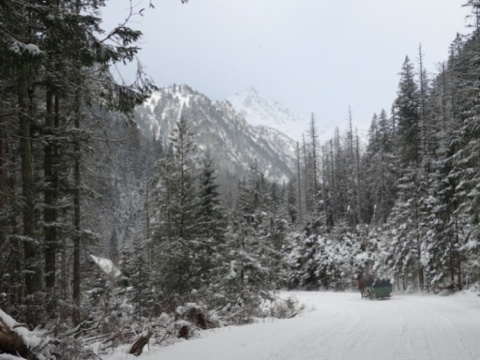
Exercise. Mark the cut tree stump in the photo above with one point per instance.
(138, 345)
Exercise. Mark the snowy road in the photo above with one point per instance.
(342, 326)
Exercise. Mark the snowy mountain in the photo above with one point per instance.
(272, 114)
(260, 112)
(235, 144)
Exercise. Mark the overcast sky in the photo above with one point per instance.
(311, 55)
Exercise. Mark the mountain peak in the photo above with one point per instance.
(251, 90)
(258, 111)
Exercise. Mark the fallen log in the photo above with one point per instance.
(12, 343)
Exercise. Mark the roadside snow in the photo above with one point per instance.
(343, 326)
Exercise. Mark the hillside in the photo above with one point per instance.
(216, 125)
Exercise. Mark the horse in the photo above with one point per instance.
(364, 283)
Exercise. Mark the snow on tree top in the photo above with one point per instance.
(106, 265)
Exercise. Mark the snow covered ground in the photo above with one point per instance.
(343, 326)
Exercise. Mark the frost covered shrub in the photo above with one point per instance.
(198, 315)
(282, 308)
(302, 262)
(326, 261)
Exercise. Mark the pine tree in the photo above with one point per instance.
(464, 149)
(406, 215)
(254, 262)
(475, 9)
(425, 119)
(290, 202)
(299, 185)
(302, 261)
(408, 132)
(140, 278)
(381, 175)
(314, 162)
(211, 228)
(113, 247)
(175, 207)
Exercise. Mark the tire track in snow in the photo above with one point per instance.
(344, 327)
(450, 329)
(321, 340)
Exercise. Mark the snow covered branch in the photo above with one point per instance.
(21, 343)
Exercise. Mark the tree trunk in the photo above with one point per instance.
(313, 134)
(32, 270)
(359, 190)
(299, 184)
(49, 210)
(333, 186)
(55, 183)
(76, 219)
(15, 281)
(2, 185)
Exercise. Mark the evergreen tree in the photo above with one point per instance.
(314, 162)
(254, 261)
(412, 186)
(406, 104)
(302, 261)
(290, 202)
(464, 149)
(175, 207)
(113, 247)
(211, 227)
(140, 278)
(381, 175)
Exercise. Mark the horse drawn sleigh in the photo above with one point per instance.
(371, 288)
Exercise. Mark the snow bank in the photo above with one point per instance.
(343, 326)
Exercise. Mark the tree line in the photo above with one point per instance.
(410, 200)
(55, 59)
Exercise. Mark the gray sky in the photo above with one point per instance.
(311, 55)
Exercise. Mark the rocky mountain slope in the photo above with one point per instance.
(261, 112)
(235, 144)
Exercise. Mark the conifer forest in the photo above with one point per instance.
(109, 236)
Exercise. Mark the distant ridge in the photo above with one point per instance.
(235, 143)
(260, 112)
